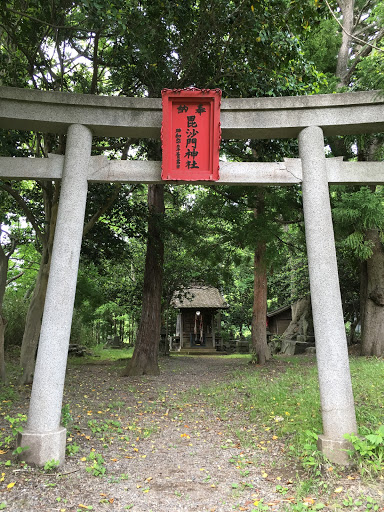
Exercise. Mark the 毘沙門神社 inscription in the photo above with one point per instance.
(190, 147)
(191, 134)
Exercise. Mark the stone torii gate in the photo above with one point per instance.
(80, 116)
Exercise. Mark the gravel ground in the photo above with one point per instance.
(164, 449)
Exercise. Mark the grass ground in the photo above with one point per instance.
(259, 423)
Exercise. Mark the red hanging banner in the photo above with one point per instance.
(191, 134)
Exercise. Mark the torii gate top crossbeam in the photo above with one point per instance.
(243, 118)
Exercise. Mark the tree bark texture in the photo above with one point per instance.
(371, 278)
(33, 320)
(259, 312)
(3, 280)
(363, 292)
(145, 356)
(35, 311)
(346, 7)
(301, 323)
(373, 309)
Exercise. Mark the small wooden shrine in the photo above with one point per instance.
(198, 323)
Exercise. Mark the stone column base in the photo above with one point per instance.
(43, 446)
(335, 450)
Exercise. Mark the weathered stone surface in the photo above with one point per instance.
(77, 350)
(43, 425)
(335, 450)
(336, 395)
(242, 346)
(102, 170)
(288, 347)
(114, 342)
(43, 446)
(241, 118)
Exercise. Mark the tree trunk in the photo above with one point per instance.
(3, 324)
(145, 356)
(363, 292)
(3, 280)
(301, 323)
(33, 322)
(373, 311)
(346, 7)
(259, 312)
(36, 307)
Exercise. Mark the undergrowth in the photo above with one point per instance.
(282, 399)
(99, 353)
(278, 403)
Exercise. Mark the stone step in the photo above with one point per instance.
(199, 352)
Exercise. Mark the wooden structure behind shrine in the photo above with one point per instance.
(198, 326)
(279, 319)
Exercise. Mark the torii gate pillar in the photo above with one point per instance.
(44, 438)
(338, 411)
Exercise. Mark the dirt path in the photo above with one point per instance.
(155, 446)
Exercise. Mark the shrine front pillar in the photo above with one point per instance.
(337, 404)
(44, 439)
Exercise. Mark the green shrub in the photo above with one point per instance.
(97, 467)
(15, 312)
(81, 333)
(368, 451)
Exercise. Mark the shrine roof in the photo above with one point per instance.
(199, 297)
(278, 311)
